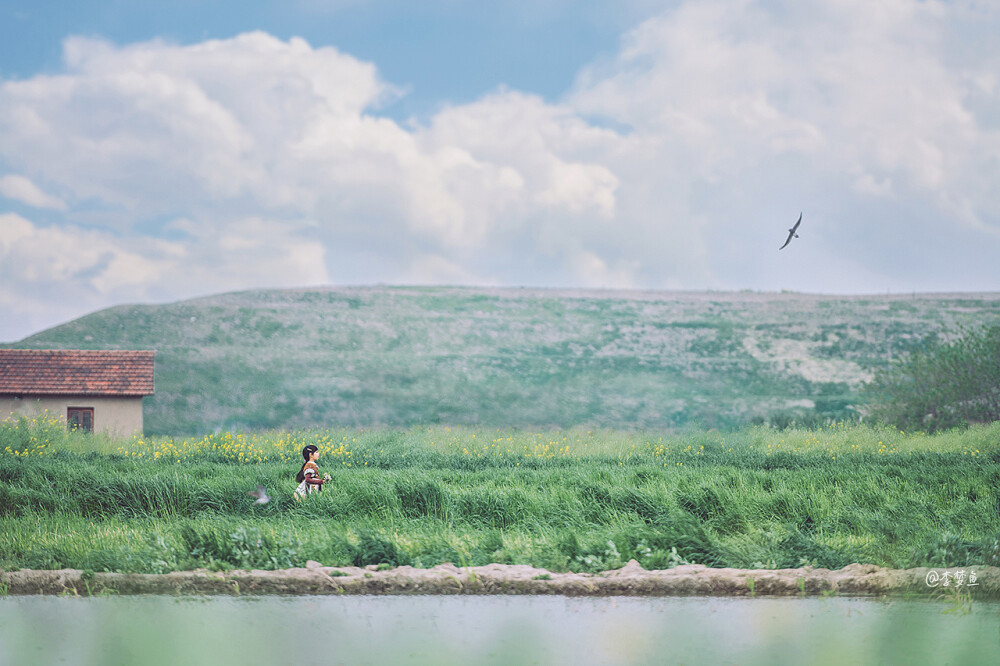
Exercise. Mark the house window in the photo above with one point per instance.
(80, 418)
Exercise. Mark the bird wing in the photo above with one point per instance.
(791, 232)
(789, 240)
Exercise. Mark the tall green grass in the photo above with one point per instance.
(566, 500)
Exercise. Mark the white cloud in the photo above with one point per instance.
(22, 189)
(590, 270)
(46, 269)
(436, 270)
(138, 125)
(856, 87)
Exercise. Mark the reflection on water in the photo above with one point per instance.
(497, 629)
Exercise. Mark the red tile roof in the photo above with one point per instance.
(76, 372)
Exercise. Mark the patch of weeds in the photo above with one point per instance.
(152, 555)
(685, 533)
(45, 558)
(768, 564)
(206, 547)
(948, 550)
(87, 577)
(642, 551)
(374, 549)
(493, 509)
(959, 600)
(421, 498)
(798, 549)
(988, 553)
(245, 547)
(569, 545)
(163, 558)
(254, 548)
(542, 577)
(492, 542)
(675, 560)
(601, 558)
(336, 573)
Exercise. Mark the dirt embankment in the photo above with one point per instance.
(630, 580)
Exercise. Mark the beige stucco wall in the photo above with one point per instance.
(114, 416)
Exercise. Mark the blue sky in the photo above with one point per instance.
(444, 51)
(155, 151)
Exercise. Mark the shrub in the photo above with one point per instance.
(941, 385)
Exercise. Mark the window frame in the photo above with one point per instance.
(73, 421)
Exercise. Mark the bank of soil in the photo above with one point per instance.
(630, 580)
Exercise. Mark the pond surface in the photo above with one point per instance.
(493, 629)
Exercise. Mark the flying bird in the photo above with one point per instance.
(791, 233)
(260, 494)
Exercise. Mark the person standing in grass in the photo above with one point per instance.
(308, 477)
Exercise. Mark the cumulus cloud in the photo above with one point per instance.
(137, 126)
(863, 90)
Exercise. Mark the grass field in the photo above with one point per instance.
(578, 500)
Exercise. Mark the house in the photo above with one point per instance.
(98, 391)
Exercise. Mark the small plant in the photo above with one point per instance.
(948, 550)
(609, 558)
(769, 564)
(991, 556)
(87, 577)
(751, 585)
(959, 600)
(674, 559)
(544, 576)
(642, 551)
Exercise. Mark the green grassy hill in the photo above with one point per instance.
(512, 357)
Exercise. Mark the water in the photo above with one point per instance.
(492, 630)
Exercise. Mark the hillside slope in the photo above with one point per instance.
(511, 357)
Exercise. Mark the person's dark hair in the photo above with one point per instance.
(300, 477)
